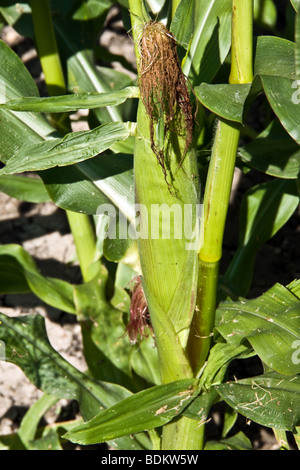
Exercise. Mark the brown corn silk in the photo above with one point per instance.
(138, 325)
(163, 88)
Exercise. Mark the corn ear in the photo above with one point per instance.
(169, 268)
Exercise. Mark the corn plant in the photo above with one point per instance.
(146, 191)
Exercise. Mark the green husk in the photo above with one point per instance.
(166, 179)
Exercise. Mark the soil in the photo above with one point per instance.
(42, 229)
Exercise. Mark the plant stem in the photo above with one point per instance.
(85, 242)
(242, 42)
(217, 192)
(80, 224)
(184, 434)
(49, 57)
(47, 47)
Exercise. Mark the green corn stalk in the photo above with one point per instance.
(217, 190)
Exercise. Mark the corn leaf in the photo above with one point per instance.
(103, 330)
(297, 45)
(148, 409)
(271, 323)
(28, 347)
(226, 100)
(72, 102)
(275, 64)
(84, 186)
(183, 23)
(237, 442)
(73, 148)
(211, 40)
(273, 152)
(19, 274)
(271, 400)
(24, 188)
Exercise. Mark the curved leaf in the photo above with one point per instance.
(103, 332)
(224, 100)
(275, 64)
(19, 274)
(296, 4)
(87, 185)
(24, 188)
(75, 147)
(275, 57)
(66, 103)
(273, 152)
(270, 400)
(28, 346)
(271, 323)
(237, 442)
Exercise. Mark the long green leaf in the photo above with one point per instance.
(273, 152)
(148, 409)
(183, 23)
(275, 64)
(84, 186)
(271, 323)
(24, 188)
(107, 179)
(271, 400)
(283, 97)
(66, 103)
(33, 417)
(19, 274)
(73, 148)
(275, 57)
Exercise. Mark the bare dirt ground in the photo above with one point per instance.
(42, 229)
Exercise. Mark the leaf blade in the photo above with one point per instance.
(73, 148)
(148, 409)
(270, 400)
(271, 323)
